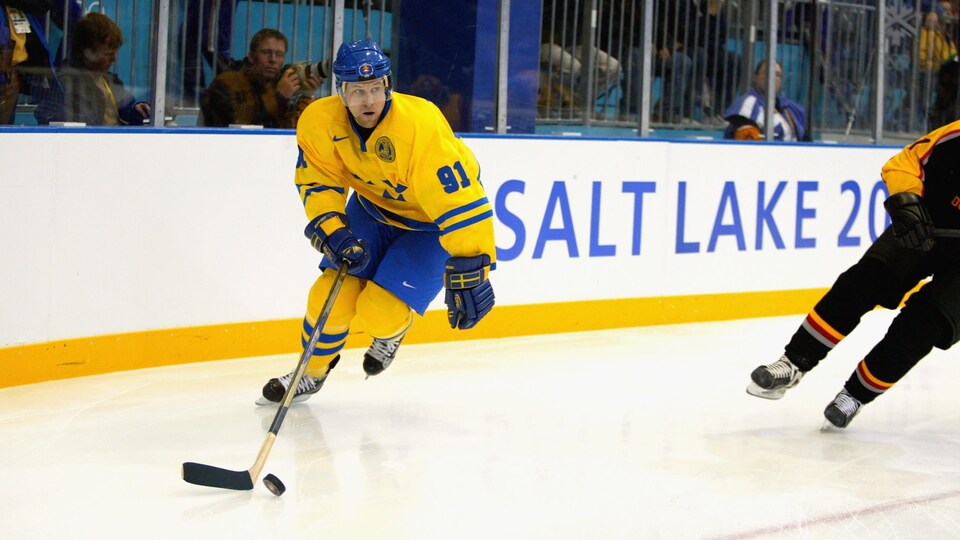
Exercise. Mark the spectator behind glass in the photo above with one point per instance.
(561, 53)
(204, 21)
(262, 91)
(682, 71)
(946, 105)
(936, 48)
(91, 93)
(26, 62)
(746, 116)
(948, 13)
(722, 65)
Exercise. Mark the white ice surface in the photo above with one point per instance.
(638, 433)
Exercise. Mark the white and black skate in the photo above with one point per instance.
(773, 380)
(380, 355)
(274, 390)
(841, 411)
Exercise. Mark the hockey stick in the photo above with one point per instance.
(947, 233)
(208, 475)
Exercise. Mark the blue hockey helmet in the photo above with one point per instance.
(361, 60)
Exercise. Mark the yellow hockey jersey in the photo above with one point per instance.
(412, 172)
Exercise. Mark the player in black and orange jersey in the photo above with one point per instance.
(924, 206)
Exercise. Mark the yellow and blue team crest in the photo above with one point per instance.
(365, 71)
(385, 149)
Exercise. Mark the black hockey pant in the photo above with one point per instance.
(882, 277)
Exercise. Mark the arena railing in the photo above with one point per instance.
(865, 71)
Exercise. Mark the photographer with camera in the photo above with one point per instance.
(262, 91)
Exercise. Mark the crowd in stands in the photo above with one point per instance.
(77, 85)
(692, 57)
(697, 71)
(701, 76)
(700, 64)
(83, 89)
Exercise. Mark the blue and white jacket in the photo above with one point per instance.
(790, 120)
(35, 13)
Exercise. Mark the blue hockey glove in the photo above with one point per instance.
(912, 224)
(469, 294)
(339, 244)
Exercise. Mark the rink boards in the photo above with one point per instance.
(134, 249)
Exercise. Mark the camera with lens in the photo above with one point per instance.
(305, 71)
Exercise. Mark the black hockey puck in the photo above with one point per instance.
(274, 485)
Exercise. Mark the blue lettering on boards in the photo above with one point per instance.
(765, 215)
(735, 229)
(682, 245)
(845, 238)
(638, 189)
(805, 213)
(596, 248)
(510, 220)
(558, 198)
(879, 189)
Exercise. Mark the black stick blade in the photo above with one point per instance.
(208, 475)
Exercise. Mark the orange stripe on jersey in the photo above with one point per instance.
(823, 328)
(867, 378)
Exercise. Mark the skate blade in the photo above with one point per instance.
(262, 401)
(754, 390)
(828, 427)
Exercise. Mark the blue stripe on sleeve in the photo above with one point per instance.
(467, 222)
(318, 189)
(465, 208)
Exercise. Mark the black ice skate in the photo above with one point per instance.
(380, 354)
(773, 380)
(275, 388)
(842, 409)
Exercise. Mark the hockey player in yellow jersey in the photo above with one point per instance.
(389, 190)
(922, 241)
